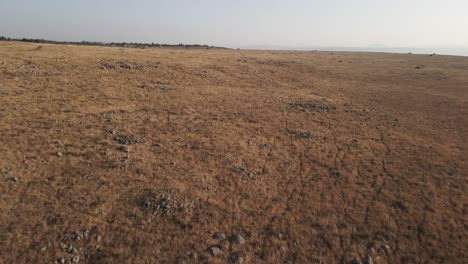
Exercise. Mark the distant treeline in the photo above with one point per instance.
(112, 44)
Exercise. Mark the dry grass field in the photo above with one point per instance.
(112, 155)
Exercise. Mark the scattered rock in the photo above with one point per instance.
(14, 179)
(59, 154)
(368, 260)
(386, 249)
(238, 239)
(86, 233)
(71, 249)
(283, 248)
(251, 175)
(236, 258)
(120, 64)
(99, 238)
(76, 236)
(303, 135)
(128, 140)
(215, 250)
(312, 106)
(123, 149)
(155, 203)
(126, 65)
(60, 261)
(76, 259)
(111, 131)
(280, 236)
(219, 236)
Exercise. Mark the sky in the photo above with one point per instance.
(282, 24)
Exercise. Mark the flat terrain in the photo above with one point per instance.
(113, 155)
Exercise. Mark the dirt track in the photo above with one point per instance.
(124, 155)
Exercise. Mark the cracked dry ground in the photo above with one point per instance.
(113, 155)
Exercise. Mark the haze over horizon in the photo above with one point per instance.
(400, 26)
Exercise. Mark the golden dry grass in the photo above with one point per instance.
(310, 156)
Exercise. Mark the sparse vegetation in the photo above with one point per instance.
(215, 156)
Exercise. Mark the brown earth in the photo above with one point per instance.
(113, 155)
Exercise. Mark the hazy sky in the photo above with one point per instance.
(289, 23)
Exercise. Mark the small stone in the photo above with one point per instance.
(236, 258)
(99, 239)
(283, 248)
(76, 236)
(123, 149)
(14, 179)
(280, 236)
(76, 259)
(71, 249)
(238, 239)
(86, 233)
(60, 261)
(110, 131)
(368, 260)
(59, 154)
(386, 248)
(43, 249)
(219, 236)
(215, 251)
